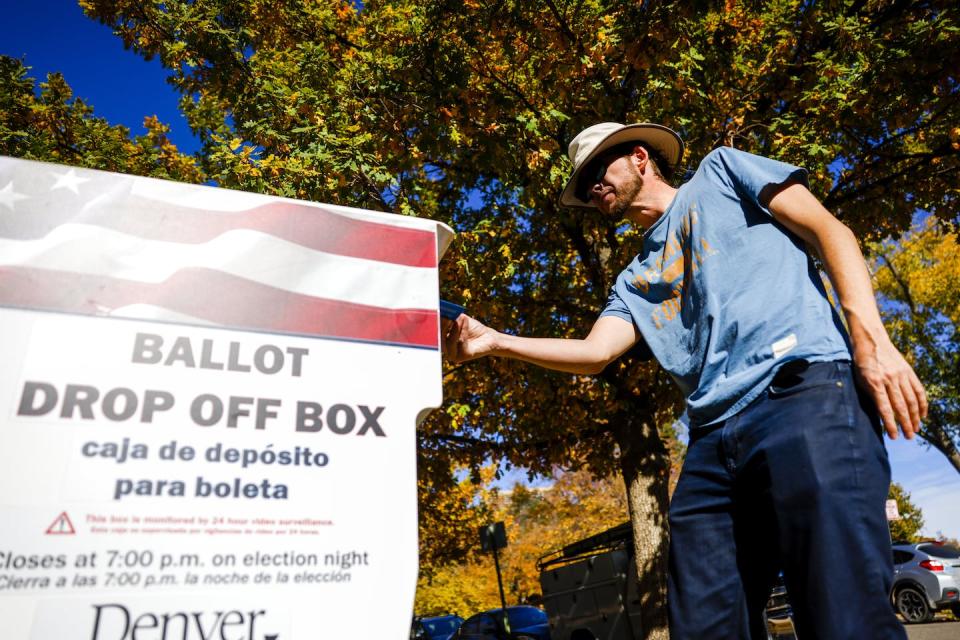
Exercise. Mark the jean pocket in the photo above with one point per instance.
(800, 375)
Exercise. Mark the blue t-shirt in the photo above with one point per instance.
(722, 293)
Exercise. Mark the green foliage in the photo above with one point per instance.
(53, 126)
(907, 528)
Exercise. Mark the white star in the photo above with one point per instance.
(69, 180)
(8, 196)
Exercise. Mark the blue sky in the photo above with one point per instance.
(54, 35)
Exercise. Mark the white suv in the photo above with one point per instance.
(926, 579)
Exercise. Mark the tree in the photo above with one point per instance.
(461, 111)
(819, 86)
(53, 126)
(917, 280)
(907, 527)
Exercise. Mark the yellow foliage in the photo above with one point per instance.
(538, 520)
(926, 265)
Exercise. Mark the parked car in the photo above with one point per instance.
(926, 580)
(435, 627)
(526, 623)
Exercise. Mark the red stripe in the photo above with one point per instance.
(312, 227)
(222, 299)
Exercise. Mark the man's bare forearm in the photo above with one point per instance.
(847, 270)
(559, 354)
(608, 339)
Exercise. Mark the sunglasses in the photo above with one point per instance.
(589, 176)
(596, 169)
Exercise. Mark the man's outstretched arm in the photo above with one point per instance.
(467, 339)
(883, 371)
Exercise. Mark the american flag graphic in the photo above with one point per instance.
(99, 243)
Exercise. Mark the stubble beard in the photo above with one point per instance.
(626, 196)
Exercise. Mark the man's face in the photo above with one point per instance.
(619, 186)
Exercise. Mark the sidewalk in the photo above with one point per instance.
(936, 630)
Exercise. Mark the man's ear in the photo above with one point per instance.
(641, 157)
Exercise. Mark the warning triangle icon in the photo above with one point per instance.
(61, 526)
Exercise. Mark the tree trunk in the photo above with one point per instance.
(646, 469)
(937, 436)
(950, 451)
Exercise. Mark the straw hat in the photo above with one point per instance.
(593, 141)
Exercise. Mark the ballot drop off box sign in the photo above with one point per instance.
(208, 403)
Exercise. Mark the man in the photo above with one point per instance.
(786, 467)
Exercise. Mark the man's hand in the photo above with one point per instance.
(884, 373)
(466, 339)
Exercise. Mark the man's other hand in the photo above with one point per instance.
(889, 379)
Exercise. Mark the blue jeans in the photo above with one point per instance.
(796, 482)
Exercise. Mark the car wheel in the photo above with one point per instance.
(956, 611)
(912, 605)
